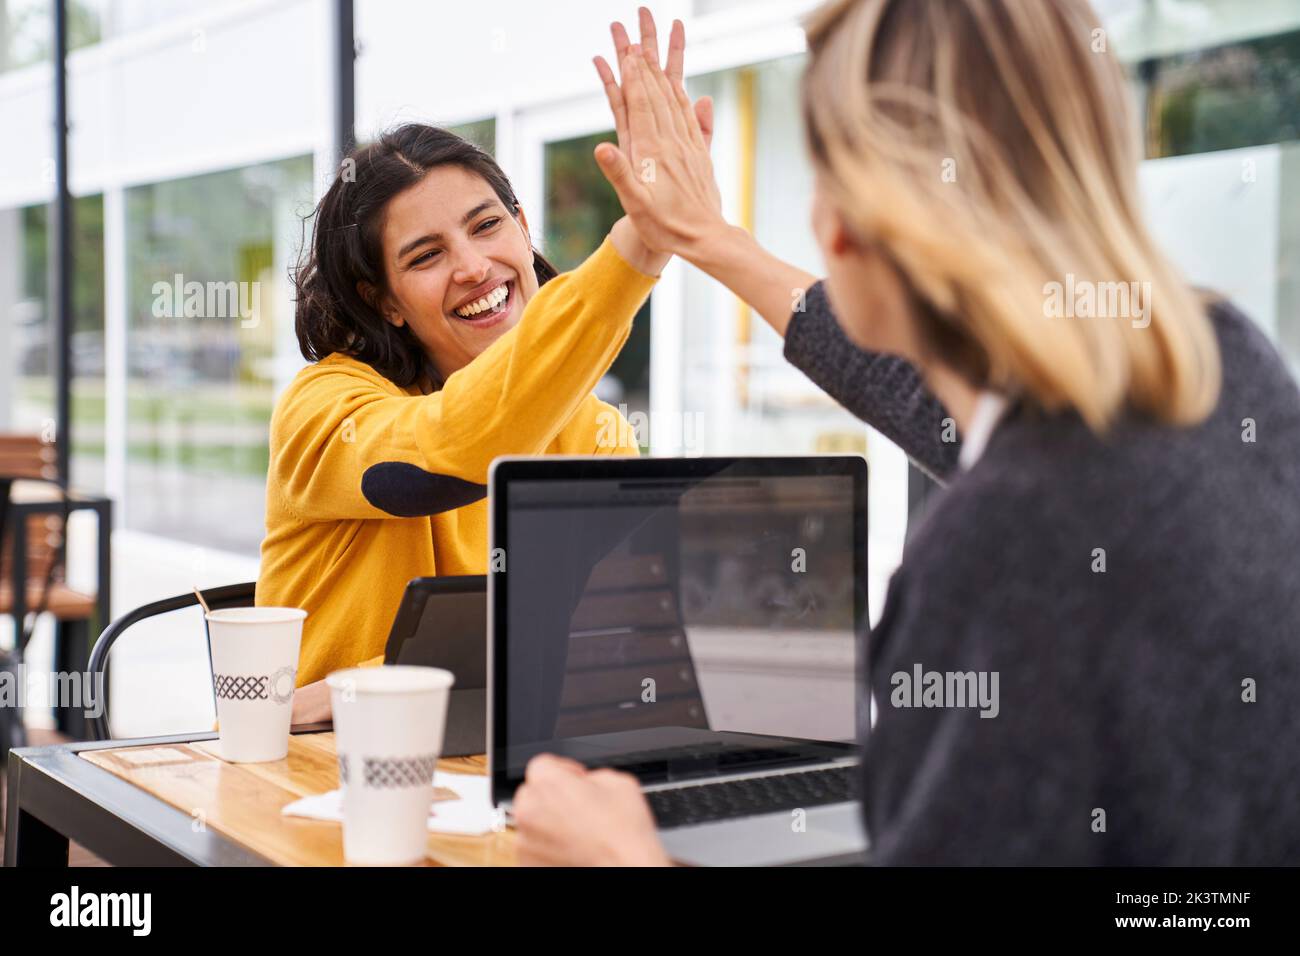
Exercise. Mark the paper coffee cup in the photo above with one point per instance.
(254, 672)
(388, 730)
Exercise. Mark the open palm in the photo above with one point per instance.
(661, 168)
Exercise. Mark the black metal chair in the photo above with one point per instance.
(231, 595)
(48, 566)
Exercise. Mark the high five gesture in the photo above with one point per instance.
(661, 168)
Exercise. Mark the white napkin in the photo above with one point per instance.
(470, 815)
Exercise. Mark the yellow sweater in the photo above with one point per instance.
(371, 485)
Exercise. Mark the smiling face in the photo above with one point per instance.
(458, 264)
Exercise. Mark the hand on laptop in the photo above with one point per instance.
(567, 815)
(311, 704)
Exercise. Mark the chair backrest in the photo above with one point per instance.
(232, 595)
(44, 535)
(27, 456)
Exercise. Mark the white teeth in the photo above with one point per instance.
(489, 301)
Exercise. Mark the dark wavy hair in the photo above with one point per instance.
(330, 312)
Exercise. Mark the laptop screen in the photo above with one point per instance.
(677, 617)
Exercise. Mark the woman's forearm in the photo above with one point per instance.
(885, 391)
(345, 443)
(771, 286)
(311, 703)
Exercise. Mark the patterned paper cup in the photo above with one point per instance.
(388, 728)
(254, 671)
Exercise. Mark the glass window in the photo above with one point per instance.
(1219, 85)
(1141, 30)
(581, 208)
(27, 26)
(27, 29)
(128, 16)
(1245, 94)
(28, 403)
(482, 133)
(738, 393)
(207, 260)
(735, 375)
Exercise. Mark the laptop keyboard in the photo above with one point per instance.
(715, 758)
(737, 798)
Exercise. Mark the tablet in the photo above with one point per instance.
(442, 622)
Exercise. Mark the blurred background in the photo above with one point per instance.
(201, 134)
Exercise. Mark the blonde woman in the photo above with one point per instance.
(1119, 537)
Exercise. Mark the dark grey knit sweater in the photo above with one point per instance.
(1148, 713)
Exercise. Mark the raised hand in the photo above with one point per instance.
(673, 70)
(660, 169)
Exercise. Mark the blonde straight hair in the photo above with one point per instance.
(987, 148)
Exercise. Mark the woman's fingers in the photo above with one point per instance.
(661, 174)
(654, 77)
(676, 92)
(545, 764)
(675, 104)
(703, 112)
(675, 75)
(614, 95)
(617, 168)
(661, 95)
(621, 45)
(689, 118)
(605, 73)
(676, 53)
(675, 72)
(642, 121)
(649, 36)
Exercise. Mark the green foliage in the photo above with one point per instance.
(1245, 94)
(581, 207)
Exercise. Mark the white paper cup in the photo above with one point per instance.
(388, 728)
(254, 672)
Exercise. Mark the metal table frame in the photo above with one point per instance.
(55, 796)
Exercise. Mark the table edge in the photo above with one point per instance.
(105, 813)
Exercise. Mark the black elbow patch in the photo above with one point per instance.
(408, 491)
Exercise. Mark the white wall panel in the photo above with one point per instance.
(198, 94)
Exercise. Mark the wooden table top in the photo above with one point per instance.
(242, 801)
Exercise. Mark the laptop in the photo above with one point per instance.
(442, 622)
(698, 623)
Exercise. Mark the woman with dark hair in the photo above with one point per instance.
(440, 340)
